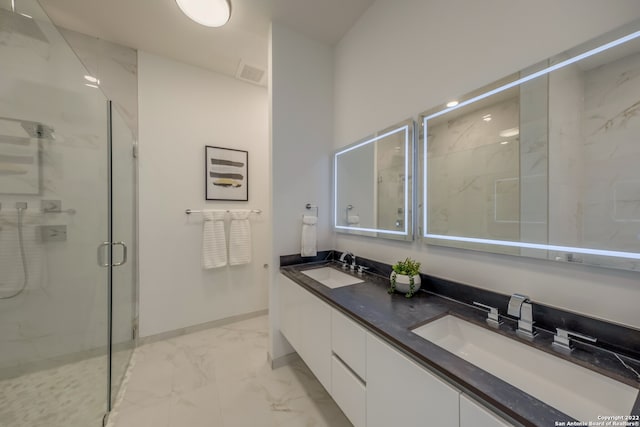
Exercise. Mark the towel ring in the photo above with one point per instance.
(347, 209)
(310, 206)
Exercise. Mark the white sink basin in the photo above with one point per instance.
(331, 277)
(579, 392)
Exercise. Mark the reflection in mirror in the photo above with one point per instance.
(545, 162)
(373, 184)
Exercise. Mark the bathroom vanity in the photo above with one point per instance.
(388, 360)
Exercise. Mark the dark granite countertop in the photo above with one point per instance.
(393, 316)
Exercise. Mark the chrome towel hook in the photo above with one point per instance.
(309, 206)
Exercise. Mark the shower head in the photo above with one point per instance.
(37, 130)
(33, 129)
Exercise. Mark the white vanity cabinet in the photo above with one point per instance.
(349, 343)
(403, 393)
(348, 376)
(291, 298)
(373, 383)
(306, 323)
(349, 392)
(473, 414)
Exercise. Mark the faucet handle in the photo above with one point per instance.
(562, 340)
(493, 317)
(362, 268)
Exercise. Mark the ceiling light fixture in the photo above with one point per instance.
(486, 117)
(210, 13)
(91, 79)
(452, 104)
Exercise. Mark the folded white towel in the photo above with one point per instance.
(309, 245)
(240, 238)
(353, 220)
(214, 243)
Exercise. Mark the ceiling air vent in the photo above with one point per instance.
(250, 74)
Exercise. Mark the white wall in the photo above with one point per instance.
(301, 85)
(402, 58)
(183, 108)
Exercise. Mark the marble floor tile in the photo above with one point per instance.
(72, 395)
(221, 377)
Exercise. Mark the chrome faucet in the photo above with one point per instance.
(520, 308)
(343, 257)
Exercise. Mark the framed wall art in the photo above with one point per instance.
(226, 174)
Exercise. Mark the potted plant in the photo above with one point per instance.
(405, 277)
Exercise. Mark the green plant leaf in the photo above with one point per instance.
(408, 267)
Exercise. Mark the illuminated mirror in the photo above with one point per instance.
(544, 163)
(373, 185)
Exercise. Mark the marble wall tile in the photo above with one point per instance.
(116, 67)
(390, 158)
(469, 162)
(594, 179)
(612, 155)
(566, 164)
(43, 81)
(534, 163)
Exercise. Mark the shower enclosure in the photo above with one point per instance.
(67, 231)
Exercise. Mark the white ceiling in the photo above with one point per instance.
(159, 26)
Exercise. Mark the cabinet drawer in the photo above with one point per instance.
(349, 342)
(473, 414)
(403, 393)
(348, 392)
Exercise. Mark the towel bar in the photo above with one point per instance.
(190, 211)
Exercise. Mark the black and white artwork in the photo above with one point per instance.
(226, 173)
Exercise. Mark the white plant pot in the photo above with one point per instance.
(403, 283)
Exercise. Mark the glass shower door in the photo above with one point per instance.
(66, 184)
(123, 273)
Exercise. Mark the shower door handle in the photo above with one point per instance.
(101, 254)
(101, 247)
(124, 253)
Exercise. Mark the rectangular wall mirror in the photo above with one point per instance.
(373, 185)
(544, 163)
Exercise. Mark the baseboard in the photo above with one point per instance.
(283, 360)
(200, 327)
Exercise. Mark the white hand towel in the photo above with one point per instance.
(309, 246)
(353, 220)
(240, 238)
(214, 243)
